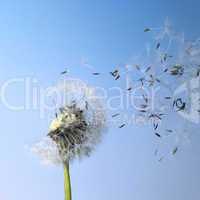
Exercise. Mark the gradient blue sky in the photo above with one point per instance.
(38, 38)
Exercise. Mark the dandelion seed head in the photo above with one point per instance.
(79, 124)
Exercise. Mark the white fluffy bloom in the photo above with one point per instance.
(79, 124)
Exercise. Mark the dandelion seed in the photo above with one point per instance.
(158, 80)
(143, 111)
(117, 77)
(175, 150)
(169, 130)
(137, 67)
(158, 46)
(147, 29)
(180, 105)
(148, 68)
(158, 135)
(155, 126)
(122, 125)
(177, 70)
(115, 74)
(64, 72)
(96, 73)
(115, 115)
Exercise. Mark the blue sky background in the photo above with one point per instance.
(39, 39)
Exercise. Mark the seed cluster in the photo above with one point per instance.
(68, 130)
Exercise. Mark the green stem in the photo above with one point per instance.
(67, 182)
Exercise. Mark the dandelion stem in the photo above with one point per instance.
(67, 182)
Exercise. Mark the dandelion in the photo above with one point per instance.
(77, 129)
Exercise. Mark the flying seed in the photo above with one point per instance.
(175, 151)
(122, 125)
(158, 46)
(169, 130)
(115, 115)
(155, 126)
(148, 68)
(158, 135)
(117, 77)
(64, 72)
(147, 29)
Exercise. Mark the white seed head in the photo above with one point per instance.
(79, 124)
